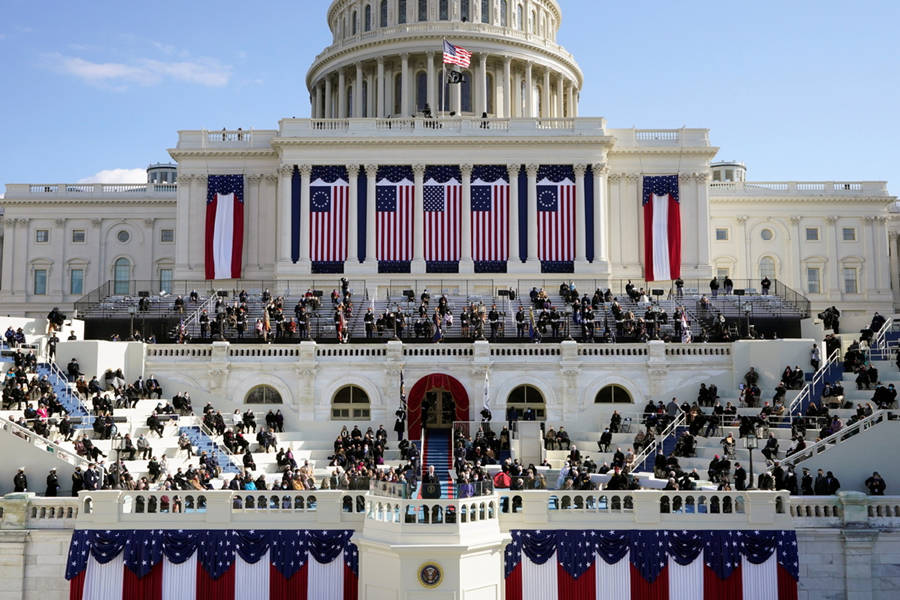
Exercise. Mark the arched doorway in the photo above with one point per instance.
(446, 399)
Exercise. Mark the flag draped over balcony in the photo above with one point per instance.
(556, 214)
(490, 214)
(224, 226)
(651, 565)
(442, 205)
(212, 565)
(394, 194)
(329, 205)
(662, 228)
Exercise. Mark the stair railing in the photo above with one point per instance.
(41, 442)
(822, 445)
(650, 449)
(71, 390)
(878, 349)
(812, 389)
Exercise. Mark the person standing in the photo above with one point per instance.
(52, 484)
(20, 481)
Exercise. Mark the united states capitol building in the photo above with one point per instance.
(113, 258)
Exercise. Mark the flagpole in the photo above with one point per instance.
(443, 75)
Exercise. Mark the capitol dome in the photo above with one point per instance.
(386, 60)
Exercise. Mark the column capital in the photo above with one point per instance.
(254, 177)
(580, 170)
(466, 170)
(796, 220)
(742, 219)
(831, 219)
(371, 170)
(270, 177)
(201, 178)
(185, 178)
(532, 170)
(305, 170)
(686, 177)
(404, 56)
(507, 60)
(600, 168)
(353, 170)
(892, 235)
(12, 223)
(513, 170)
(418, 170)
(483, 58)
(379, 61)
(882, 218)
(286, 169)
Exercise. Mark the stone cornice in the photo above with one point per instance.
(823, 199)
(95, 201)
(176, 154)
(709, 151)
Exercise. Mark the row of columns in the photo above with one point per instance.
(328, 103)
(600, 219)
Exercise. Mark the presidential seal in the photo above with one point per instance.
(430, 575)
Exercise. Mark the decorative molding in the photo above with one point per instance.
(286, 170)
(270, 177)
(532, 170)
(742, 219)
(831, 219)
(418, 170)
(371, 170)
(579, 170)
(466, 170)
(60, 221)
(353, 170)
(149, 221)
(796, 220)
(254, 177)
(600, 168)
(513, 170)
(305, 170)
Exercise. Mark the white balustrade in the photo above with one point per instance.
(798, 188)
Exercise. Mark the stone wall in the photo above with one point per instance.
(856, 564)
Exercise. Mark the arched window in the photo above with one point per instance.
(485, 11)
(465, 88)
(350, 403)
(398, 94)
(464, 10)
(354, 21)
(383, 14)
(401, 11)
(527, 396)
(520, 17)
(421, 90)
(612, 394)
(423, 10)
(489, 101)
(444, 10)
(504, 13)
(367, 23)
(767, 267)
(533, 22)
(262, 394)
(122, 277)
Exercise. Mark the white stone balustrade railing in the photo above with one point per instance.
(798, 188)
(532, 509)
(87, 191)
(422, 127)
(655, 353)
(630, 138)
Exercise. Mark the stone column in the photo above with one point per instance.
(703, 241)
(799, 283)
(328, 113)
(9, 246)
(835, 287)
(182, 224)
(546, 112)
(745, 249)
(342, 95)
(12, 552)
(371, 258)
(465, 239)
(404, 85)
(573, 110)
(285, 174)
(305, 171)
(253, 222)
(317, 102)
(858, 559)
(601, 216)
(353, 217)
(868, 238)
(357, 93)
(880, 242)
(418, 262)
(456, 96)
(529, 91)
(580, 245)
(513, 171)
(507, 97)
(892, 248)
(532, 214)
(371, 86)
(559, 98)
(431, 83)
(482, 84)
(380, 83)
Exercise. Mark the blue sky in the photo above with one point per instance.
(797, 90)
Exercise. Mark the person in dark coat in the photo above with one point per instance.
(52, 484)
(77, 481)
(20, 481)
(806, 483)
(876, 485)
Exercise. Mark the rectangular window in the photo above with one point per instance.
(165, 280)
(721, 234)
(813, 281)
(78, 236)
(423, 10)
(340, 413)
(812, 234)
(40, 282)
(167, 235)
(850, 283)
(848, 234)
(401, 11)
(76, 282)
(42, 236)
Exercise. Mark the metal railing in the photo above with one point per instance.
(879, 349)
(824, 444)
(651, 448)
(812, 391)
(42, 443)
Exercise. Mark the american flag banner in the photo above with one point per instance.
(455, 55)
(651, 565)
(224, 226)
(212, 565)
(442, 204)
(394, 201)
(329, 204)
(662, 228)
(556, 213)
(490, 214)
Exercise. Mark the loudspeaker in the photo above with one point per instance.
(739, 292)
(503, 293)
(657, 292)
(222, 294)
(317, 293)
(143, 294)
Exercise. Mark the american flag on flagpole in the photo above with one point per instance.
(456, 55)
(329, 204)
(442, 205)
(394, 196)
(490, 217)
(556, 213)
